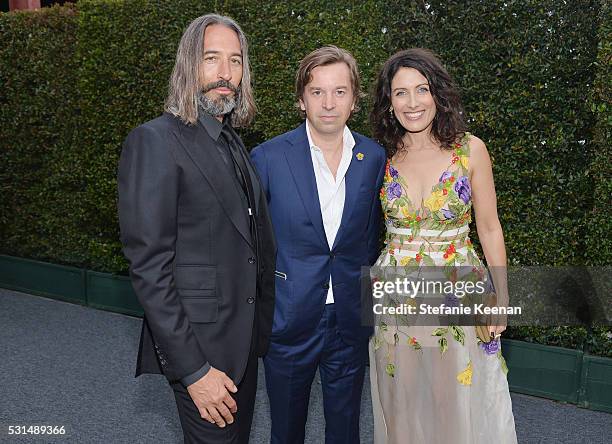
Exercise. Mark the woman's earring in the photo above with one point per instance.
(391, 110)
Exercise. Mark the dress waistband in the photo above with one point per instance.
(453, 232)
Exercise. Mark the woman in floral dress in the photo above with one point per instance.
(444, 384)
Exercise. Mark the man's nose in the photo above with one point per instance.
(329, 102)
(225, 71)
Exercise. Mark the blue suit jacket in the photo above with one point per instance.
(304, 260)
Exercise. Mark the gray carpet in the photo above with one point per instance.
(67, 365)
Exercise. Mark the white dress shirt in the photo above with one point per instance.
(331, 191)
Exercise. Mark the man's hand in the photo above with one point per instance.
(211, 396)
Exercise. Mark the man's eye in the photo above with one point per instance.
(237, 61)
(340, 92)
(210, 59)
(316, 93)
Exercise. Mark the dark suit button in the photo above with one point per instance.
(326, 286)
(251, 260)
(332, 255)
(250, 300)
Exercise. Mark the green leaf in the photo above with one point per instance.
(377, 343)
(458, 334)
(443, 345)
(428, 261)
(390, 370)
(440, 331)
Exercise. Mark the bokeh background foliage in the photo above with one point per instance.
(534, 75)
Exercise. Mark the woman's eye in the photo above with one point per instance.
(423, 90)
(400, 93)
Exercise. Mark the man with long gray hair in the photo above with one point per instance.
(196, 230)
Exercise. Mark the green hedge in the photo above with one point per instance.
(40, 182)
(535, 79)
(599, 220)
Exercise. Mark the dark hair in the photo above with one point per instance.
(326, 55)
(448, 124)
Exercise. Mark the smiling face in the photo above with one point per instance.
(328, 98)
(413, 104)
(221, 70)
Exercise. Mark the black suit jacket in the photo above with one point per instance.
(185, 231)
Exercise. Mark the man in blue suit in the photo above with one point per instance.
(322, 183)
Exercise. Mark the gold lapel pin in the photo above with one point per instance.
(360, 156)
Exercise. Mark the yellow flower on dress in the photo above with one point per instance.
(410, 301)
(404, 261)
(465, 377)
(435, 201)
(405, 211)
(465, 161)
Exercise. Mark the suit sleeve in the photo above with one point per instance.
(148, 188)
(375, 218)
(258, 156)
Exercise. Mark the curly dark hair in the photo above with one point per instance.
(448, 125)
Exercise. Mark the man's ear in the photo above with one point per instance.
(302, 106)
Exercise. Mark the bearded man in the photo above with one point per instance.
(196, 230)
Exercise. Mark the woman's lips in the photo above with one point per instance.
(414, 116)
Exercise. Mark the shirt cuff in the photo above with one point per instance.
(195, 376)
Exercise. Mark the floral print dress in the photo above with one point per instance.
(435, 384)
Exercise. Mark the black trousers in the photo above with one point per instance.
(199, 431)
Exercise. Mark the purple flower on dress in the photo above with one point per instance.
(490, 348)
(462, 188)
(451, 300)
(445, 175)
(393, 172)
(448, 214)
(394, 190)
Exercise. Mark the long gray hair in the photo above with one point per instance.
(184, 86)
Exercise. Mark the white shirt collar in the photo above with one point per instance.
(348, 140)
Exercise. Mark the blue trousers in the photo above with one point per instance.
(290, 369)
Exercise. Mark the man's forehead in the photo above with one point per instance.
(329, 82)
(335, 73)
(220, 38)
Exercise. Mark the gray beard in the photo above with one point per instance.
(220, 107)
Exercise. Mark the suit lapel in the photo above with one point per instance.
(352, 181)
(300, 164)
(200, 147)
